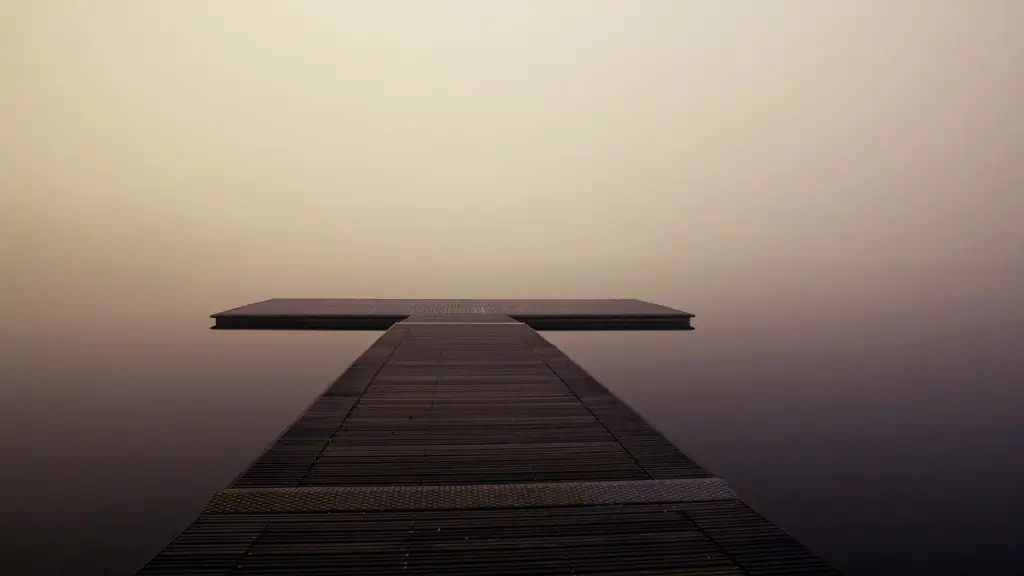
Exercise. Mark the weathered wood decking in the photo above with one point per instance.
(471, 445)
(371, 314)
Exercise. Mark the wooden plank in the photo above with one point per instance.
(471, 496)
(697, 538)
(371, 314)
(474, 446)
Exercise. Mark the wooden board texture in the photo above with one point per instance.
(380, 314)
(476, 448)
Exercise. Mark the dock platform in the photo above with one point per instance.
(463, 442)
(372, 314)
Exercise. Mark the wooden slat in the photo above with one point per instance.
(471, 445)
(682, 538)
(370, 314)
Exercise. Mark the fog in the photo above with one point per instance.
(835, 189)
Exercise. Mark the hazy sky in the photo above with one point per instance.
(222, 151)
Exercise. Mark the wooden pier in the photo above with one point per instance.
(462, 442)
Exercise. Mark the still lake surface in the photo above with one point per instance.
(888, 444)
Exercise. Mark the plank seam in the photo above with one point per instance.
(584, 404)
(615, 397)
(298, 419)
(359, 398)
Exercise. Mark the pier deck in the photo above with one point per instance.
(467, 444)
(371, 314)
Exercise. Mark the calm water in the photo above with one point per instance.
(891, 445)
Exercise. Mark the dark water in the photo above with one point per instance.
(889, 441)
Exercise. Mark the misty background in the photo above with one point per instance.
(835, 189)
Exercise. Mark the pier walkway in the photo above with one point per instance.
(463, 442)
